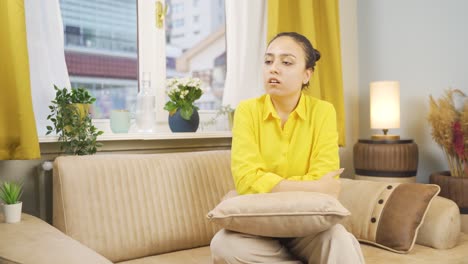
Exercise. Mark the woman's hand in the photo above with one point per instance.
(328, 184)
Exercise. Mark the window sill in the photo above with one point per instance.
(150, 136)
(147, 143)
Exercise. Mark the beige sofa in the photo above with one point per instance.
(151, 209)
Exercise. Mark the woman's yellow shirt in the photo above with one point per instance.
(263, 153)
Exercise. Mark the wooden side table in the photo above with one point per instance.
(386, 160)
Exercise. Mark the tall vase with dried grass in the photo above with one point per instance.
(448, 117)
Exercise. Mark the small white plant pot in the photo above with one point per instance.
(12, 212)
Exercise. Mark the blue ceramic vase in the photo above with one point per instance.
(178, 124)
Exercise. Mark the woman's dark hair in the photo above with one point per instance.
(312, 55)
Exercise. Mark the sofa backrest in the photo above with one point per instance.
(135, 205)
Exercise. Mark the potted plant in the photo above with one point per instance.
(72, 122)
(183, 114)
(448, 117)
(224, 110)
(10, 194)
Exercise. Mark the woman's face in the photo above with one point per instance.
(284, 69)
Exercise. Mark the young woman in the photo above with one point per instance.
(286, 141)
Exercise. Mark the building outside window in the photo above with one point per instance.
(200, 47)
(101, 51)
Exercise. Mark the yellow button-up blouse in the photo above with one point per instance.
(263, 153)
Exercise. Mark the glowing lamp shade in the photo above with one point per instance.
(385, 105)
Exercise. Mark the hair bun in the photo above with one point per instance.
(317, 55)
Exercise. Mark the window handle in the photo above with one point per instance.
(161, 12)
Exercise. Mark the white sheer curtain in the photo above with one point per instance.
(46, 55)
(245, 45)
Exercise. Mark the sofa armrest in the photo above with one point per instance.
(441, 226)
(34, 241)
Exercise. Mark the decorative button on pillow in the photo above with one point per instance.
(282, 214)
(387, 215)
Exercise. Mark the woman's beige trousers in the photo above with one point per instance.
(334, 246)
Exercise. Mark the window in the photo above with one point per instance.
(176, 36)
(72, 35)
(178, 23)
(101, 50)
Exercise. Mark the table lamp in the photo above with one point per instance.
(385, 157)
(385, 108)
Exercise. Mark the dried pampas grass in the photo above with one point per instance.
(442, 116)
(464, 124)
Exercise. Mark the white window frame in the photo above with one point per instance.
(152, 53)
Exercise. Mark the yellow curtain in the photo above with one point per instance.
(318, 20)
(18, 136)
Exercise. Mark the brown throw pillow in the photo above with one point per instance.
(283, 214)
(387, 215)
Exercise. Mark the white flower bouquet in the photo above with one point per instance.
(183, 93)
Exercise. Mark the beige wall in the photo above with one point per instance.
(421, 43)
(350, 64)
(25, 170)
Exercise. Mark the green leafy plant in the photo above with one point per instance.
(223, 110)
(72, 122)
(10, 192)
(182, 94)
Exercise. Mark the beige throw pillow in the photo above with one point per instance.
(283, 214)
(387, 215)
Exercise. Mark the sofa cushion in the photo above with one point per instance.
(419, 254)
(283, 214)
(200, 255)
(135, 205)
(372, 255)
(387, 215)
